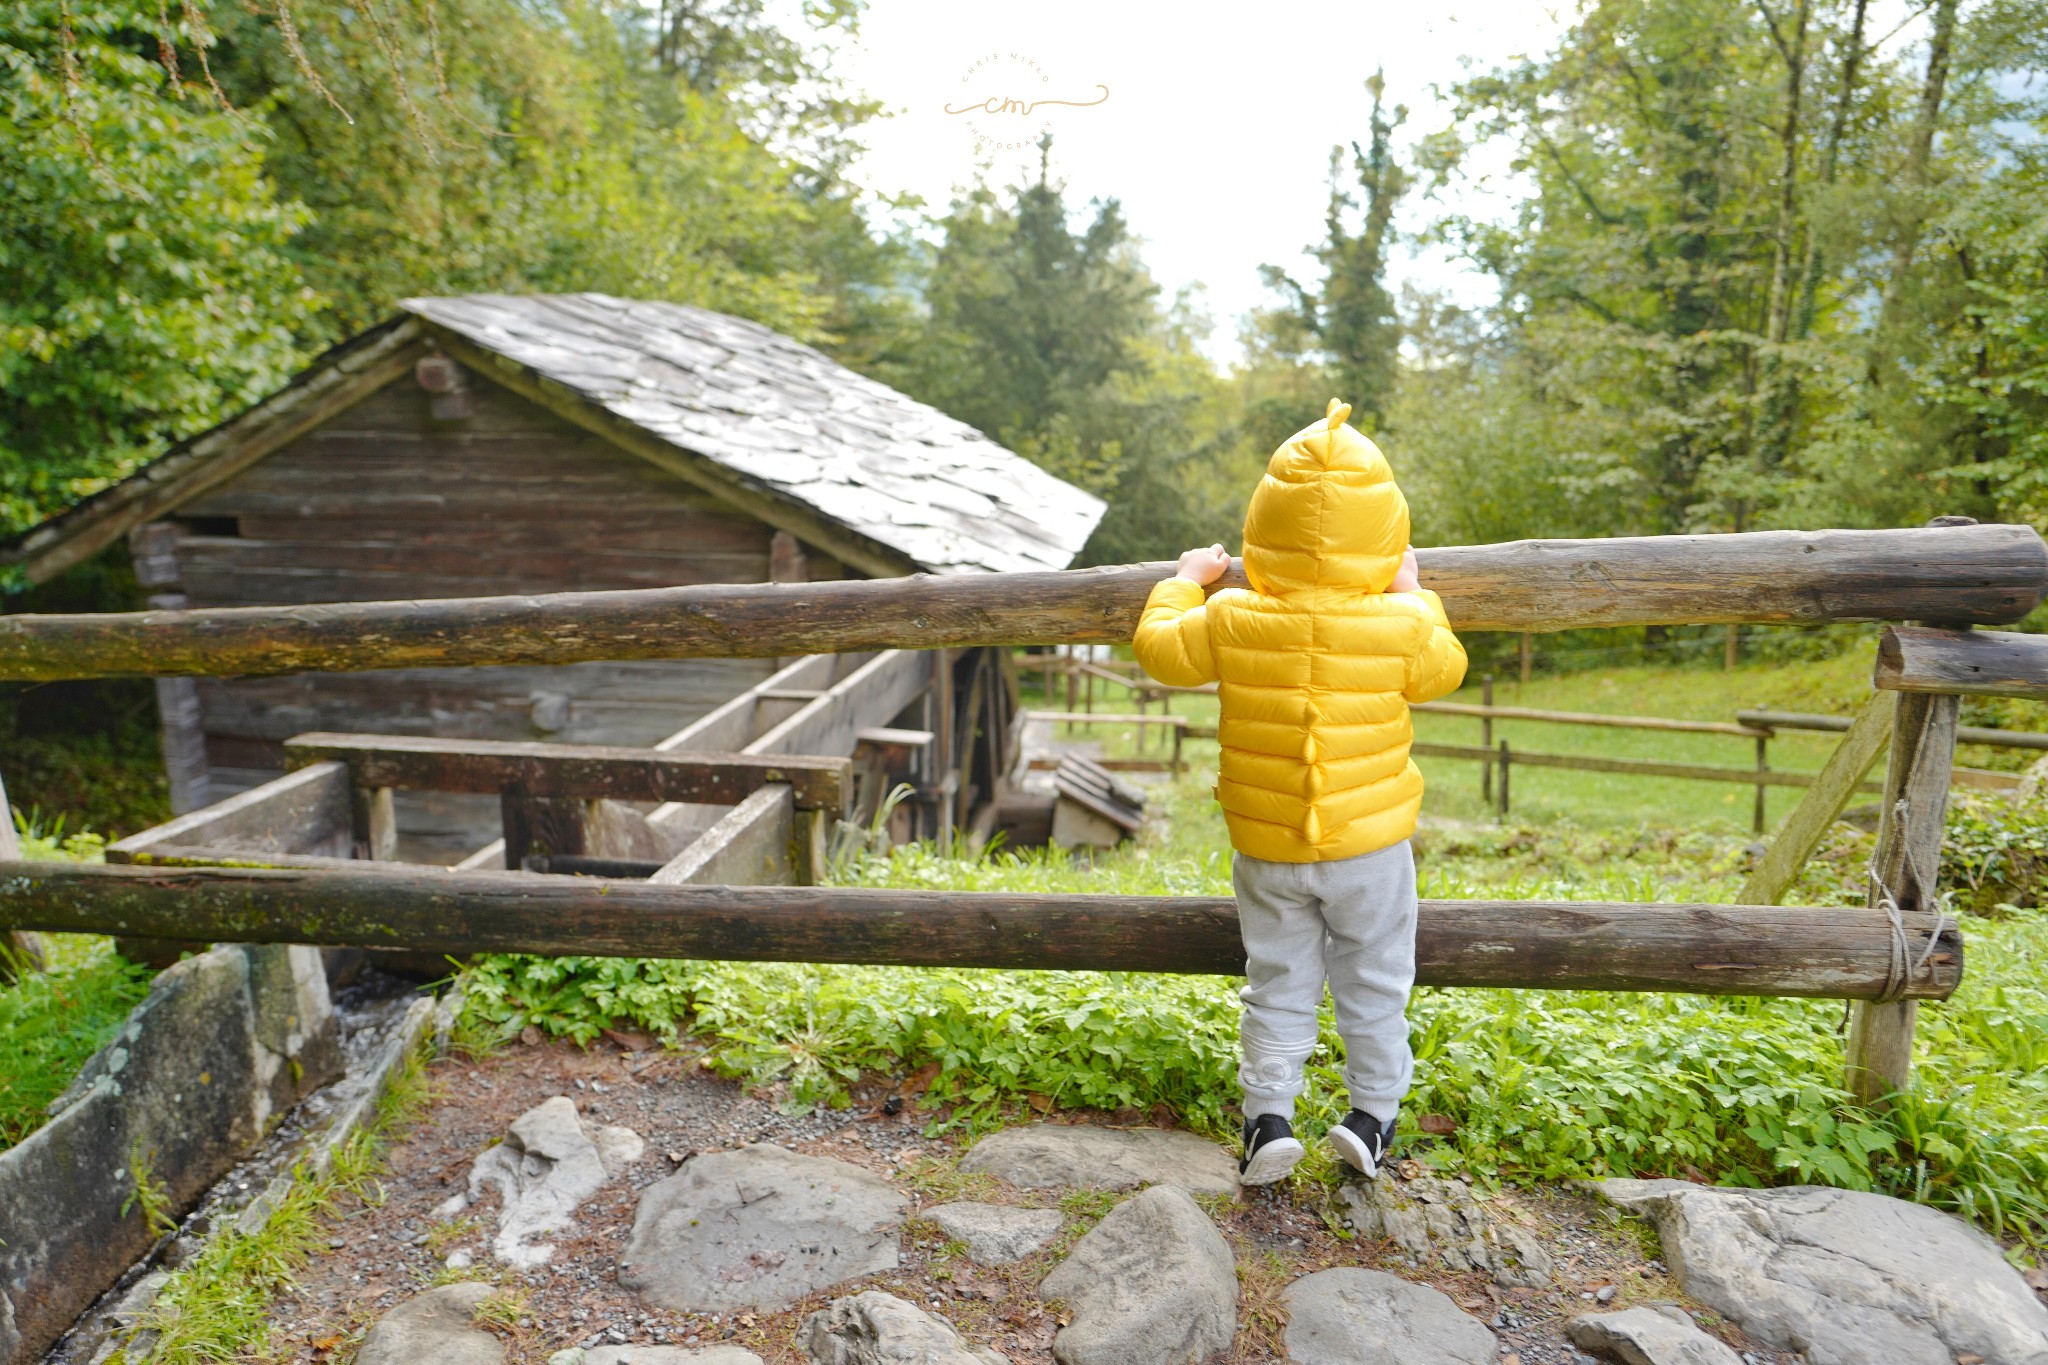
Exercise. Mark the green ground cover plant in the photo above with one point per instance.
(51, 1021)
(1539, 1084)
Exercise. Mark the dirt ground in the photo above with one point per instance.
(382, 1252)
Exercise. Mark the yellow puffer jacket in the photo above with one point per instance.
(1317, 661)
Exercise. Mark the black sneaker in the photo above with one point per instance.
(1362, 1141)
(1270, 1150)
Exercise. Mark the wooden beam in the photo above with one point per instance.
(1840, 778)
(1908, 861)
(333, 383)
(1691, 727)
(1965, 734)
(1979, 574)
(308, 811)
(19, 949)
(586, 770)
(1709, 949)
(1638, 767)
(1988, 663)
(749, 846)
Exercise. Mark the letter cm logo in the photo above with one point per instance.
(1001, 99)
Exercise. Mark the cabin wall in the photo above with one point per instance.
(387, 502)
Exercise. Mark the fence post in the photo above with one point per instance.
(1908, 865)
(1528, 663)
(21, 948)
(1504, 779)
(1486, 739)
(1763, 765)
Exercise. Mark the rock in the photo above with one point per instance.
(666, 1355)
(1042, 1156)
(1153, 1283)
(617, 1148)
(224, 1044)
(460, 1259)
(1438, 1221)
(1648, 1336)
(874, 1328)
(758, 1228)
(1350, 1316)
(996, 1234)
(547, 1166)
(1844, 1277)
(434, 1328)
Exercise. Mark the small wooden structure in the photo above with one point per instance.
(532, 445)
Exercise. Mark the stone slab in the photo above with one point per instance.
(1649, 1336)
(1350, 1316)
(1846, 1278)
(1042, 1156)
(1153, 1283)
(224, 1044)
(434, 1328)
(996, 1234)
(874, 1328)
(759, 1228)
(549, 1164)
(666, 1355)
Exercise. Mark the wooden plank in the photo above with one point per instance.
(1965, 734)
(1696, 727)
(1982, 574)
(1908, 862)
(1638, 767)
(873, 694)
(748, 847)
(1104, 718)
(332, 384)
(1710, 949)
(585, 770)
(1869, 734)
(1988, 663)
(308, 811)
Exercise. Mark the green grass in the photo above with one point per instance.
(1542, 1085)
(52, 1021)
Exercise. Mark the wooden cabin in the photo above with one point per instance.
(496, 444)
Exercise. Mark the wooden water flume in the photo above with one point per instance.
(1975, 575)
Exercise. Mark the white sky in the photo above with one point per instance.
(1217, 131)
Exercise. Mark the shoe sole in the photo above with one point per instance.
(1272, 1162)
(1355, 1154)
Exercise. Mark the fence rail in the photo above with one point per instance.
(1967, 574)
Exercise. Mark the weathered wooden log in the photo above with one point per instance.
(1965, 734)
(1710, 949)
(586, 770)
(1987, 663)
(1976, 574)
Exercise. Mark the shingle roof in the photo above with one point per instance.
(786, 419)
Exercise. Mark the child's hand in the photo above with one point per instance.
(1406, 578)
(1204, 566)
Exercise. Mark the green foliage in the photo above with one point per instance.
(1995, 853)
(52, 1021)
(145, 286)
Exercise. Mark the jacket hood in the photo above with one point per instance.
(1327, 514)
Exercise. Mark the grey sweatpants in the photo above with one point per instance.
(1351, 922)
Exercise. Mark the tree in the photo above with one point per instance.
(1350, 318)
(1052, 341)
(146, 282)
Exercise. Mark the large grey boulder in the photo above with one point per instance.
(1153, 1283)
(996, 1234)
(224, 1044)
(434, 1328)
(1439, 1223)
(1649, 1336)
(874, 1328)
(1042, 1156)
(549, 1164)
(1844, 1277)
(758, 1228)
(1350, 1316)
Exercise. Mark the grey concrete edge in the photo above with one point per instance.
(111, 1322)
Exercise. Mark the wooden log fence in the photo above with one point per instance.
(1965, 734)
(1980, 575)
(1983, 663)
(1712, 949)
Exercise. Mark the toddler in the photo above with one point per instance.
(1317, 663)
